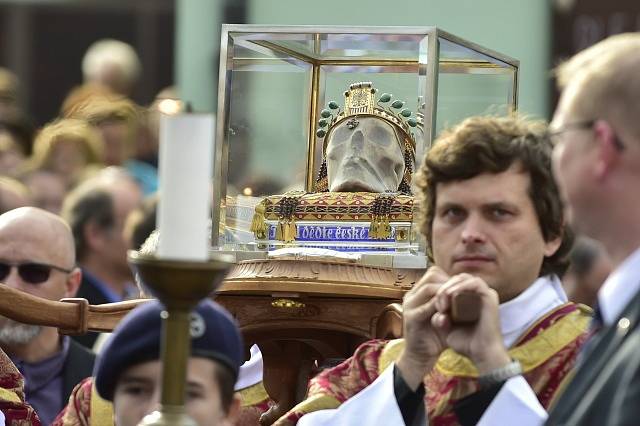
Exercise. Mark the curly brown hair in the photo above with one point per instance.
(492, 145)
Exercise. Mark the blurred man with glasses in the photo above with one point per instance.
(596, 162)
(37, 256)
(597, 166)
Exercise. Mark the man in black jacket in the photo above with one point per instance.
(597, 164)
(37, 256)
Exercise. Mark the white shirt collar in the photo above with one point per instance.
(517, 315)
(251, 371)
(619, 288)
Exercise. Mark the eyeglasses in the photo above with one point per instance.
(581, 125)
(30, 272)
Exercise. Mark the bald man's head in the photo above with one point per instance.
(47, 231)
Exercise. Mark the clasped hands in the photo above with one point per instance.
(428, 329)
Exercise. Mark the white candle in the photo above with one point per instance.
(186, 169)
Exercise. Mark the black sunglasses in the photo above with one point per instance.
(30, 272)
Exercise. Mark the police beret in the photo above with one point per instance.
(214, 335)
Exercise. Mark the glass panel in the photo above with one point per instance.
(470, 83)
(457, 53)
(463, 95)
(327, 47)
(266, 134)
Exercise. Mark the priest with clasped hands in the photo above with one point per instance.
(495, 227)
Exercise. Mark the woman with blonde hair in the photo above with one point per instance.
(68, 147)
(119, 121)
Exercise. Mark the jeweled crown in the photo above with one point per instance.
(360, 100)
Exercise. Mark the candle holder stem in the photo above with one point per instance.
(180, 286)
(175, 353)
(175, 349)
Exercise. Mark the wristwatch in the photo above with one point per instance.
(501, 374)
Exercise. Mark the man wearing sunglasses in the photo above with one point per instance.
(37, 256)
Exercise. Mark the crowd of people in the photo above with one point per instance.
(98, 127)
(537, 220)
(75, 195)
(94, 165)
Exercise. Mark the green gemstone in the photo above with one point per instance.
(325, 113)
(321, 133)
(397, 104)
(385, 97)
(412, 122)
(322, 122)
(333, 105)
(405, 112)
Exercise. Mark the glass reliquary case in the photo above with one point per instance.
(321, 129)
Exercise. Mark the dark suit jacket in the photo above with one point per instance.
(606, 388)
(77, 366)
(95, 297)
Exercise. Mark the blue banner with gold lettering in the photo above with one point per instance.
(333, 233)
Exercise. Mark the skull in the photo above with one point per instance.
(364, 154)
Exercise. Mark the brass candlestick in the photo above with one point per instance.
(179, 285)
